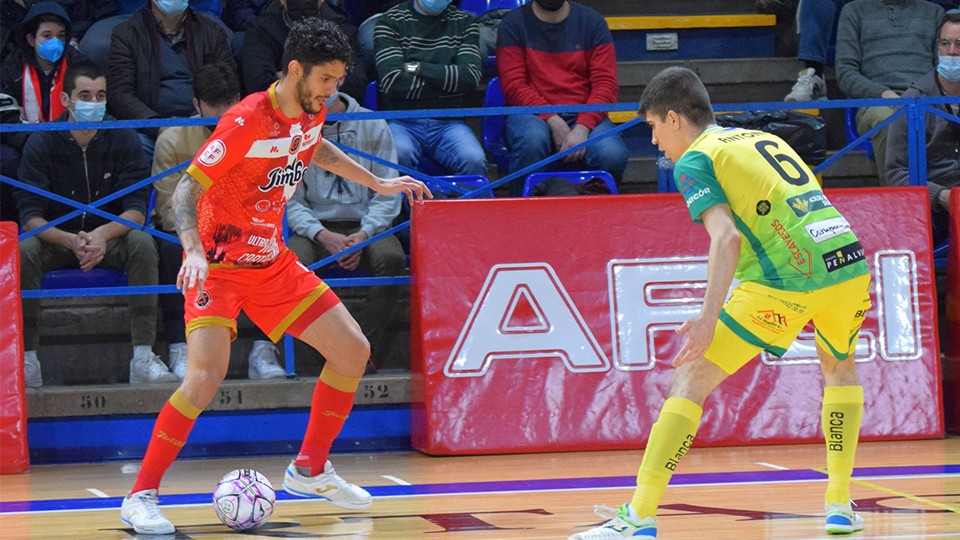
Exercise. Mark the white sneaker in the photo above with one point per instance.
(809, 87)
(178, 359)
(32, 378)
(841, 519)
(326, 485)
(148, 368)
(262, 362)
(140, 511)
(625, 523)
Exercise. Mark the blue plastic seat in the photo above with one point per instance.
(492, 127)
(479, 7)
(940, 253)
(576, 177)
(74, 278)
(850, 119)
(472, 182)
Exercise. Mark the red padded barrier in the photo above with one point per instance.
(14, 457)
(547, 325)
(951, 347)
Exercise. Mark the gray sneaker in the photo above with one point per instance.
(262, 363)
(32, 378)
(178, 359)
(148, 368)
(809, 87)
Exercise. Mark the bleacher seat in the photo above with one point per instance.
(74, 278)
(479, 7)
(850, 123)
(576, 177)
(472, 182)
(684, 37)
(492, 127)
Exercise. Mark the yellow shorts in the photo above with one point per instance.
(757, 317)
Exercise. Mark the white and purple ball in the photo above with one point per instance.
(244, 499)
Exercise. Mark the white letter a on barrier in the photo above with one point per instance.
(523, 311)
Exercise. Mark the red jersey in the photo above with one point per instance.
(250, 167)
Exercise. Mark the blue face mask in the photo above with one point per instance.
(949, 68)
(332, 99)
(434, 7)
(172, 8)
(50, 50)
(89, 111)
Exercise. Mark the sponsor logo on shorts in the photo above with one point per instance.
(770, 320)
(810, 201)
(844, 256)
(763, 208)
(203, 300)
(213, 153)
(827, 229)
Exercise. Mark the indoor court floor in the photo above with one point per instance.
(903, 490)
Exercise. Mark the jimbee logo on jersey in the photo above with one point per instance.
(284, 176)
(844, 256)
(213, 153)
(203, 300)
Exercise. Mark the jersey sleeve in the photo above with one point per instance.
(223, 150)
(697, 182)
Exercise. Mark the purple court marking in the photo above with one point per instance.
(599, 482)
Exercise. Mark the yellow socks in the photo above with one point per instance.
(669, 441)
(841, 415)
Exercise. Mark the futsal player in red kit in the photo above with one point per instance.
(229, 209)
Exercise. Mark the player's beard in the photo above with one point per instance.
(303, 96)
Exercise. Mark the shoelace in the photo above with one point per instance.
(150, 505)
(603, 511)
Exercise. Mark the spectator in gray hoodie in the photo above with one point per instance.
(327, 215)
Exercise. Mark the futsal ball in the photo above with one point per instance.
(244, 499)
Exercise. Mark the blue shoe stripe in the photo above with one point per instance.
(839, 519)
(649, 532)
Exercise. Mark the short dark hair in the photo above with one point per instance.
(80, 69)
(34, 25)
(314, 41)
(680, 90)
(216, 84)
(952, 16)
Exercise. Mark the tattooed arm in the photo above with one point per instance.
(193, 271)
(328, 156)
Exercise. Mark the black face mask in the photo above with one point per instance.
(302, 9)
(550, 5)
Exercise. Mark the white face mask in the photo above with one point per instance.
(949, 68)
(172, 8)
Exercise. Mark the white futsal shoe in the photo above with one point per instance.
(141, 511)
(326, 485)
(624, 524)
(841, 519)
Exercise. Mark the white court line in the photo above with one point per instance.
(98, 493)
(771, 465)
(396, 480)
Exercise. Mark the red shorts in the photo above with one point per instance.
(281, 298)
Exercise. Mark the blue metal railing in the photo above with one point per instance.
(915, 110)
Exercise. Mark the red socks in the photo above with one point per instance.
(170, 433)
(331, 404)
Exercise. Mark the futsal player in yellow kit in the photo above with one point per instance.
(796, 258)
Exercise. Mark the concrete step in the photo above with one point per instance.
(234, 395)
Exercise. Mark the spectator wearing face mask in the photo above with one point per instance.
(942, 135)
(215, 89)
(153, 58)
(88, 165)
(261, 56)
(428, 57)
(556, 52)
(33, 76)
